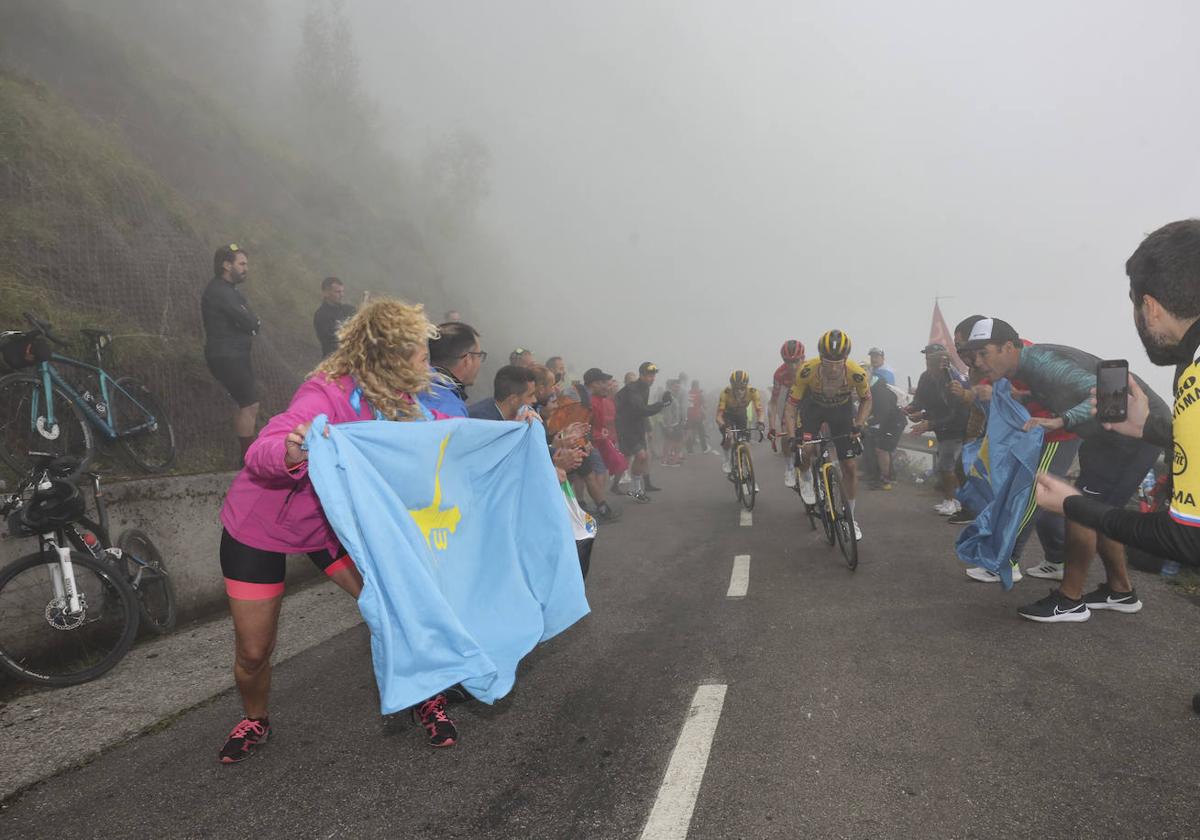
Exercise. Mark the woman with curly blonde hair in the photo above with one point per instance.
(272, 510)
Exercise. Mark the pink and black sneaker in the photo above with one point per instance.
(244, 739)
(432, 715)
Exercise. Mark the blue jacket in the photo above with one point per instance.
(465, 547)
(445, 394)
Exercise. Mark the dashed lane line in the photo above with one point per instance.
(747, 518)
(739, 581)
(672, 812)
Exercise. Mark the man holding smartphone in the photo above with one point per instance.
(1111, 466)
(1164, 285)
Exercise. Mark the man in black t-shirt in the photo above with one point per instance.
(330, 314)
(229, 330)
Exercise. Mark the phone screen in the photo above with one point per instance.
(1112, 391)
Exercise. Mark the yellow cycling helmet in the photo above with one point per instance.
(739, 379)
(834, 345)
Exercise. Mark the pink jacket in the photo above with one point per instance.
(272, 508)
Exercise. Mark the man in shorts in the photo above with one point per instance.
(229, 330)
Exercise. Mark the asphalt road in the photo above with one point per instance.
(902, 700)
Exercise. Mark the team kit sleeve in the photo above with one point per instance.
(860, 380)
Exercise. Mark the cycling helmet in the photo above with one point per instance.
(739, 379)
(834, 345)
(792, 351)
(55, 507)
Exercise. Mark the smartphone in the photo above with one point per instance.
(1112, 390)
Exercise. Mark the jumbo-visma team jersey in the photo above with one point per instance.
(1185, 428)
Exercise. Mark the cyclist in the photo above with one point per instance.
(792, 353)
(733, 411)
(824, 393)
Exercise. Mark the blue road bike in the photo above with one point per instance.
(43, 414)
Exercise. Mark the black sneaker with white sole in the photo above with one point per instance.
(962, 517)
(1103, 598)
(1056, 607)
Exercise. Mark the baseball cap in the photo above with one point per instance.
(595, 375)
(647, 367)
(991, 331)
(874, 351)
(934, 348)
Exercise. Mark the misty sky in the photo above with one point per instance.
(711, 178)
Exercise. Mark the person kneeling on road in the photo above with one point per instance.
(272, 510)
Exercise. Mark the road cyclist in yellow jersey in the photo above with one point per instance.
(825, 392)
(733, 412)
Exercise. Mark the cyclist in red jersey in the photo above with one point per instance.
(792, 353)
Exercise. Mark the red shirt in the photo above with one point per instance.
(785, 377)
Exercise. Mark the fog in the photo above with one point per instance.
(695, 182)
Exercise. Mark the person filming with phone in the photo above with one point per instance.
(1063, 380)
(1164, 286)
(934, 409)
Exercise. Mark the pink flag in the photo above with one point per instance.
(939, 333)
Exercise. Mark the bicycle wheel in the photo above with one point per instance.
(843, 520)
(24, 432)
(131, 406)
(147, 575)
(41, 642)
(746, 470)
(827, 522)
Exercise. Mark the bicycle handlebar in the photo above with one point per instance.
(43, 328)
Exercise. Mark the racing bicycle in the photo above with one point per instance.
(742, 467)
(42, 414)
(832, 508)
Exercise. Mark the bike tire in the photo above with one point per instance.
(19, 394)
(34, 651)
(152, 450)
(150, 582)
(746, 469)
(844, 520)
(823, 505)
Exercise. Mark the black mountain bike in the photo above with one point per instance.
(832, 508)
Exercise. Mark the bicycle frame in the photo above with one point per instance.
(108, 388)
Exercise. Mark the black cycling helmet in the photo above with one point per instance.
(834, 345)
(48, 510)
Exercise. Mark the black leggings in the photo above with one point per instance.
(253, 574)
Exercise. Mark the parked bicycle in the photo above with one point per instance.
(43, 415)
(742, 467)
(832, 508)
(70, 611)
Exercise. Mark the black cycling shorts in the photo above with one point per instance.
(839, 418)
(252, 574)
(236, 375)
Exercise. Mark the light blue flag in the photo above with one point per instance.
(464, 544)
(1001, 470)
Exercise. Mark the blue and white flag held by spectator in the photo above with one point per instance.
(1001, 470)
(465, 548)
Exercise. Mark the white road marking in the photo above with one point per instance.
(747, 518)
(739, 581)
(672, 812)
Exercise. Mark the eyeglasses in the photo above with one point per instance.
(482, 354)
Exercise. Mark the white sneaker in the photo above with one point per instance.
(857, 533)
(946, 508)
(807, 492)
(1048, 570)
(756, 488)
(789, 476)
(984, 576)
(726, 467)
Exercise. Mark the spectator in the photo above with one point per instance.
(456, 360)
(1110, 466)
(229, 330)
(880, 367)
(1164, 283)
(558, 367)
(633, 409)
(513, 395)
(570, 412)
(272, 510)
(630, 377)
(331, 314)
(521, 358)
(884, 428)
(451, 315)
(696, 432)
(946, 417)
(601, 388)
(674, 416)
